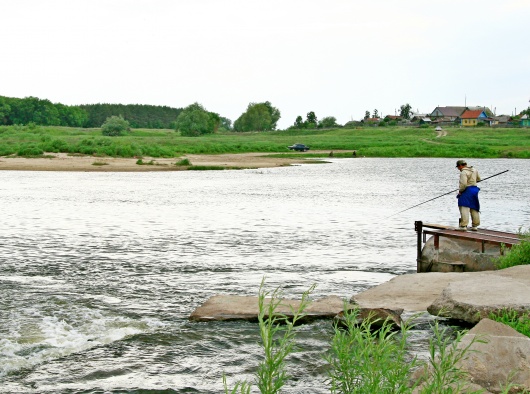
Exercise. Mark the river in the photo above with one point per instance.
(100, 271)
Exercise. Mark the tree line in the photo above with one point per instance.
(194, 120)
(43, 112)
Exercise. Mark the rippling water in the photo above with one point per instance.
(100, 271)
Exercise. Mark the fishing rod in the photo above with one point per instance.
(445, 194)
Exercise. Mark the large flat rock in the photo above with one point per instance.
(411, 292)
(233, 307)
(471, 300)
(417, 292)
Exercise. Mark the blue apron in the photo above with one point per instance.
(469, 198)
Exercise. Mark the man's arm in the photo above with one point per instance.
(462, 184)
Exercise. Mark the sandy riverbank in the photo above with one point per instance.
(64, 162)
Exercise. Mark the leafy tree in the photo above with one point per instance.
(312, 118)
(114, 126)
(366, 114)
(258, 117)
(33, 109)
(376, 113)
(299, 122)
(225, 124)
(405, 110)
(194, 120)
(71, 116)
(5, 110)
(328, 122)
(524, 112)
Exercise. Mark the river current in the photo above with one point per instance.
(100, 271)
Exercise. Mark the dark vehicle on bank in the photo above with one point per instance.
(299, 147)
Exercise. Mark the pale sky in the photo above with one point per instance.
(334, 57)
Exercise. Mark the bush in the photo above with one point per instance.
(517, 255)
(183, 162)
(30, 151)
(114, 126)
(195, 120)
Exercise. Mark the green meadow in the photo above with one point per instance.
(485, 142)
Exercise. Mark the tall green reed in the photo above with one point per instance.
(365, 359)
(277, 333)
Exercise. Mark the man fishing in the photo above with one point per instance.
(468, 196)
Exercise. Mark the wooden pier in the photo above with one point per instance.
(484, 236)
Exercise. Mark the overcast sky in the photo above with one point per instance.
(334, 57)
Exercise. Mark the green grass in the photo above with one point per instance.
(518, 322)
(370, 142)
(518, 254)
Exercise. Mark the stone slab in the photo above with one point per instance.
(471, 300)
(233, 307)
(416, 292)
(411, 292)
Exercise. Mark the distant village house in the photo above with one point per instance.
(471, 118)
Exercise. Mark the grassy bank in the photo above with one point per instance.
(370, 142)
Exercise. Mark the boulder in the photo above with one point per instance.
(505, 357)
(462, 295)
(458, 254)
(233, 307)
(478, 295)
(376, 316)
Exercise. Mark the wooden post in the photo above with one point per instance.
(418, 226)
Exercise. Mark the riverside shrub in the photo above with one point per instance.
(114, 126)
(517, 255)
